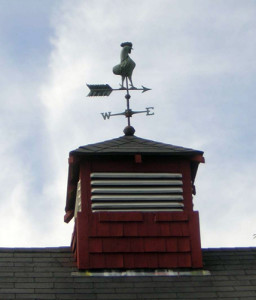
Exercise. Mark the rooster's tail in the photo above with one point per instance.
(117, 70)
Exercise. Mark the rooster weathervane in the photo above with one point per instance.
(125, 70)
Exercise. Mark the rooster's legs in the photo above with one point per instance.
(130, 79)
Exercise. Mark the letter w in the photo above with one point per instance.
(106, 115)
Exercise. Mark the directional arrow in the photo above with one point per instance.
(99, 90)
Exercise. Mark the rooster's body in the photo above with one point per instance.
(125, 68)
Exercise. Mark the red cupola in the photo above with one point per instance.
(131, 199)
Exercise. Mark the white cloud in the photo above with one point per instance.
(197, 56)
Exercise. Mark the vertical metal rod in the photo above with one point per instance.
(127, 100)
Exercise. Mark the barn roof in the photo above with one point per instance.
(132, 145)
(50, 273)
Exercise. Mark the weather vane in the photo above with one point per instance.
(125, 70)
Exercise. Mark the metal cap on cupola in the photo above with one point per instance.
(132, 198)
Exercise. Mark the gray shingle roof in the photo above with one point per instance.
(45, 273)
(133, 145)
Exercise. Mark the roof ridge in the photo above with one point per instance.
(35, 249)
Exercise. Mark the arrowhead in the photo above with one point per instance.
(144, 89)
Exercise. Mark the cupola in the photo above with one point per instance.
(132, 202)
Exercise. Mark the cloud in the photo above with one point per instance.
(198, 58)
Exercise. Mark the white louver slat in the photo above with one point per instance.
(136, 192)
(78, 205)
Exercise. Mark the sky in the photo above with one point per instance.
(197, 56)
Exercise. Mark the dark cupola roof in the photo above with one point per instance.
(132, 145)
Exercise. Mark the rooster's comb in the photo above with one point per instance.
(126, 44)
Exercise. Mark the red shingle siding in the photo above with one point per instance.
(162, 242)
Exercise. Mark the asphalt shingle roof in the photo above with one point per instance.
(46, 273)
(133, 145)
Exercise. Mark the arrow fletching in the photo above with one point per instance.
(99, 90)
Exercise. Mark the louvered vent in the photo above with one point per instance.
(78, 205)
(136, 192)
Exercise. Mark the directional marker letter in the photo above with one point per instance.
(149, 113)
(106, 115)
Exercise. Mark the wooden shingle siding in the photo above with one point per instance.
(136, 234)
